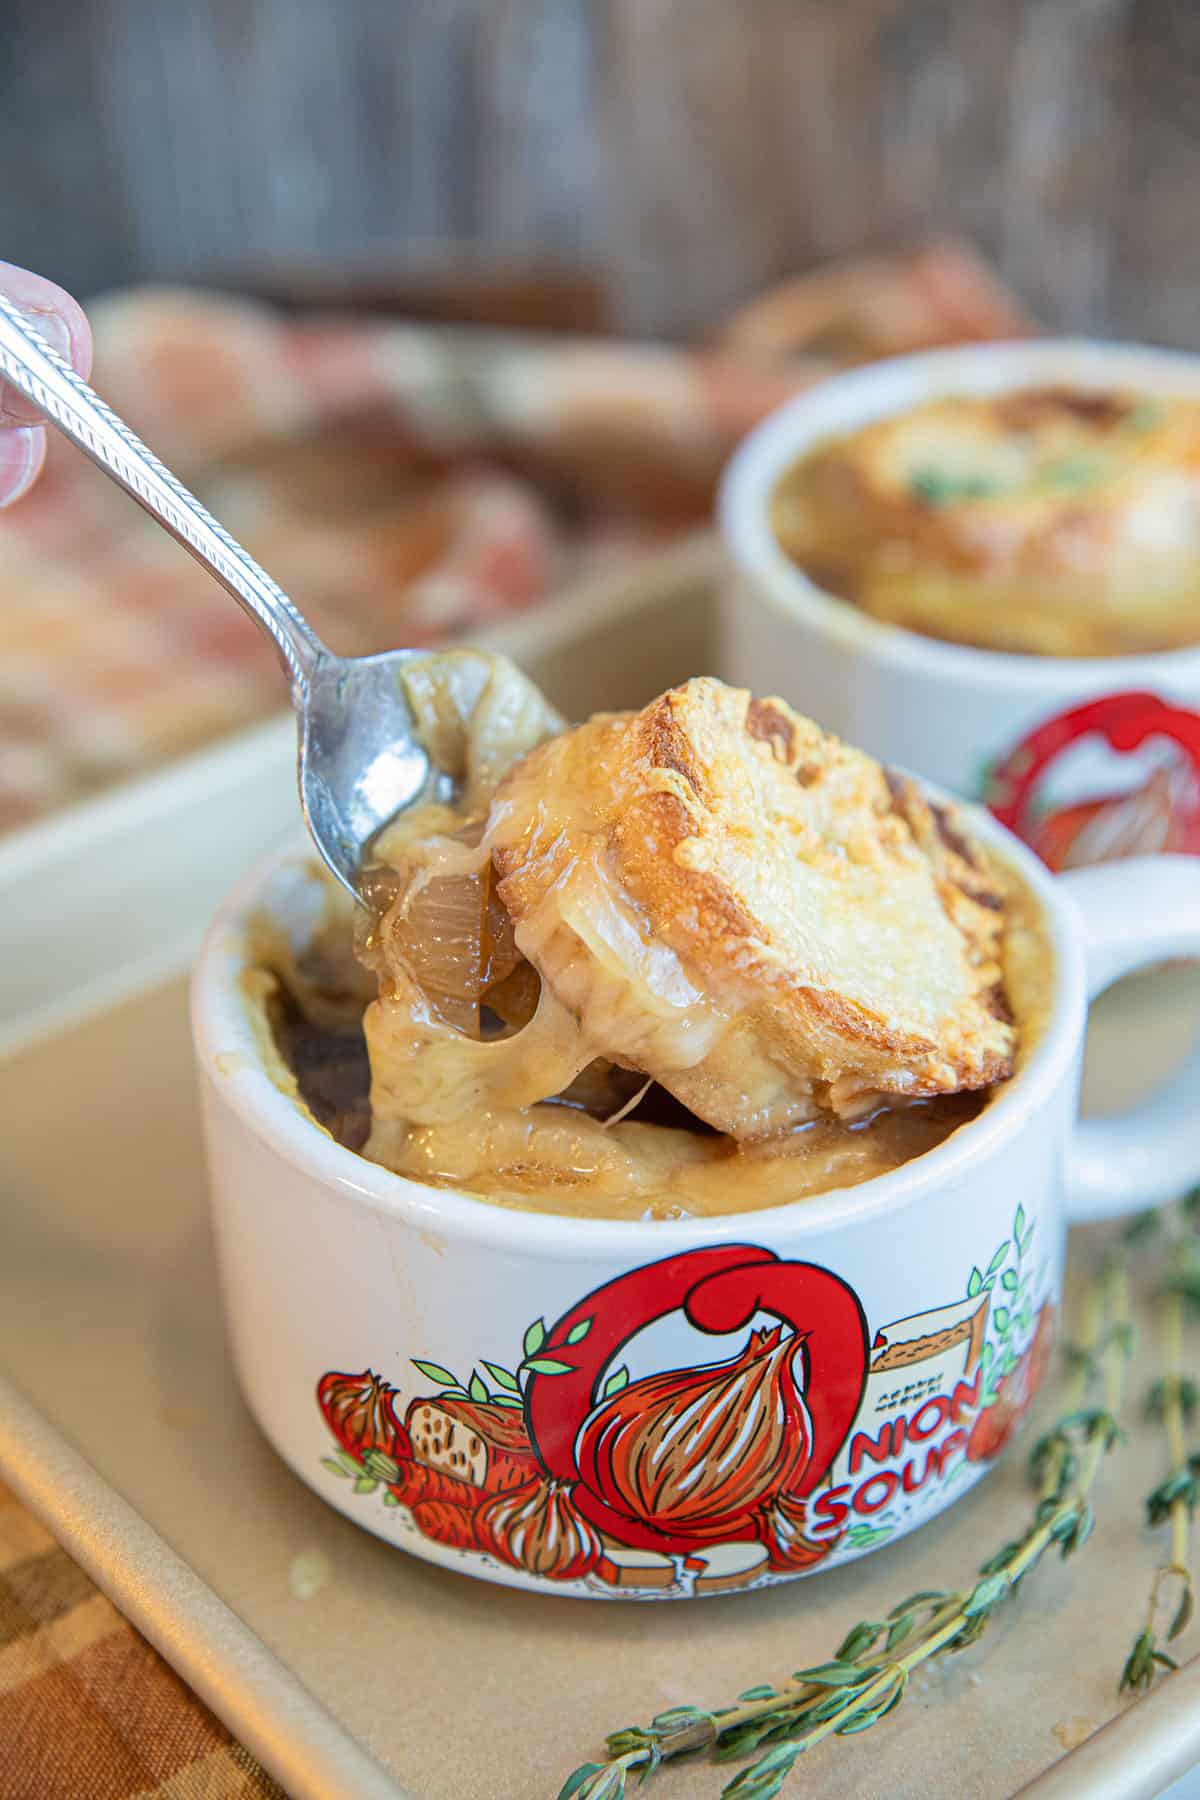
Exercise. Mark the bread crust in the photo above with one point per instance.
(846, 931)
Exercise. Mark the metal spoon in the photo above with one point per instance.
(359, 763)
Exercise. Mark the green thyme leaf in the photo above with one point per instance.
(764, 1779)
(1139, 1666)
(834, 1674)
(547, 1365)
(580, 1331)
(602, 1781)
(926, 1597)
(677, 1716)
(861, 1637)
(1082, 1530)
(632, 1738)
(334, 1467)
(477, 1389)
(575, 1781)
(1177, 1389)
(1183, 1614)
(985, 1594)
(535, 1337)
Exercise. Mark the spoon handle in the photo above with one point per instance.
(66, 401)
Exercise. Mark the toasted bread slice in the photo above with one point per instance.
(751, 912)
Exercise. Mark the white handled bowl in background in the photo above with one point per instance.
(954, 714)
(576, 1405)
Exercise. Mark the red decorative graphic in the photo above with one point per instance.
(995, 1425)
(473, 1441)
(360, 1414)
(714, 1475)
(702, 1456)
(536, 1527)
(674, 1447)
(1161, 814)
(564, 1467)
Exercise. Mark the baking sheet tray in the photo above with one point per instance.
(353, 1670)
(110, 1325)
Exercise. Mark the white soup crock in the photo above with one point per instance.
(682, 1407)
(1054, 744)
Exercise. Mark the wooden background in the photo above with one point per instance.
(697, 148)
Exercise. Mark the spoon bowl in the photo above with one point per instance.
(360, 763)
(359, 760)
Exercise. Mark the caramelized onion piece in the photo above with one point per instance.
(436, 932)
(476, 714)
(514, 997)
(451, 936)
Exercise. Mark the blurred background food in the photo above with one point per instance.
(440, 304)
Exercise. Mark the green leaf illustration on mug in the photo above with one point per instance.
(435, 1372)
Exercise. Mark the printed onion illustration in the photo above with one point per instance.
(538, 1528)
(358, 1410)
(788, 1545)
(689, 1448)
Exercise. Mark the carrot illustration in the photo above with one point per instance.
(417, 1484)
(447, 1523)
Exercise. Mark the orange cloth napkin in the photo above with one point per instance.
(88, 1711)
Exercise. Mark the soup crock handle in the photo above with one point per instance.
(1136, 912)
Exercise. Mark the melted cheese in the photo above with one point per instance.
(478, 1113)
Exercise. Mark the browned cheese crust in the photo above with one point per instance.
(846, 933)
(1050, 521)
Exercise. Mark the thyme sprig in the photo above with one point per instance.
(868, 1676)
(1172, 1401)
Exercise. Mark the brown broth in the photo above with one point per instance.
(657, 1162)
